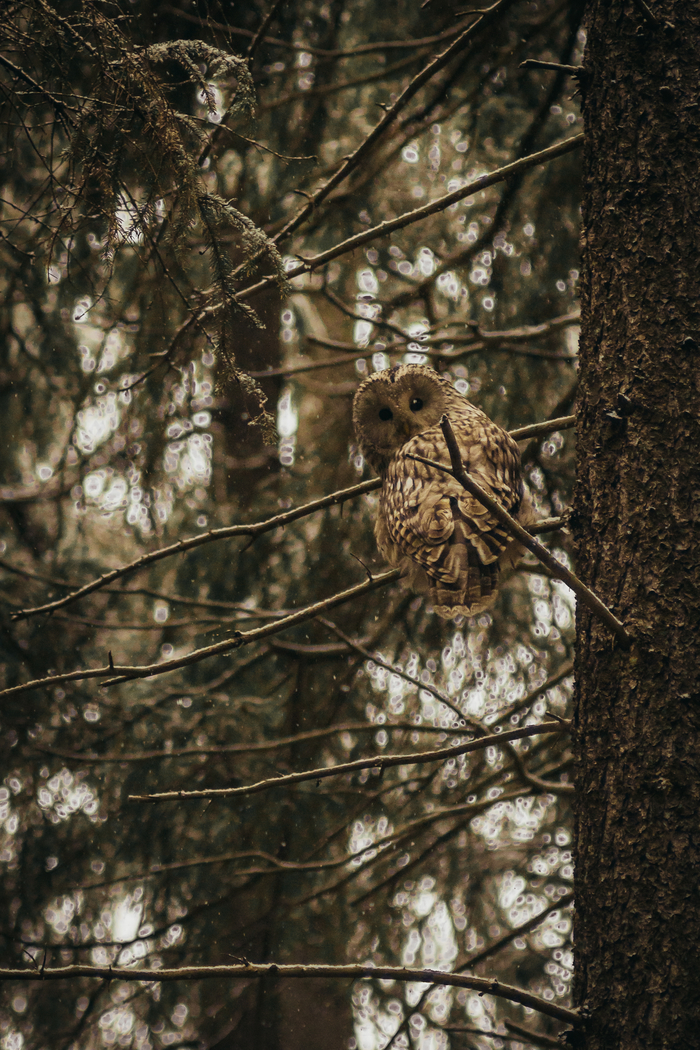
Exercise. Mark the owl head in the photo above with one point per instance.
(392, 406)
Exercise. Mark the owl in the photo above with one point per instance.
(440, 536)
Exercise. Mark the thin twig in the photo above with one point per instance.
(380, 762)
(341, 85)
(252, 530)
(332, 362)
(547, 525)
(526, 927)
(251, 747)
(530, 698)
(560, 67)
(538, 1038)
(540, 429)
(472, 960)
(320, 52)
(546, 786)
(425, 75)
(263, 28)
(60, 107)
(267, 149)
(647, 13)
(405, 839)
(440, 697)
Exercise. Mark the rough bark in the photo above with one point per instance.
(637, 520)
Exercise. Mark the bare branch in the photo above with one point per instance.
(240, 639)
(457, 349)
(262, 30)
(531, 697)
(484, 985)
(343, 85)
(228, 532)
(252, 530)
(546, 786)
(462, 815)
(440, 697)
(647, 13)
(311, 366)
(379, 762)
(559, 67)
(250, 747)
(540, 429)
(320, 52)
(517, 931)
(60, 107)
(472, 960)
(538, 1038)
(397, 223)
(439, 62)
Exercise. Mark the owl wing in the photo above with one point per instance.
(435, 524)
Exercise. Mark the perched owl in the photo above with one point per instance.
(441, 537)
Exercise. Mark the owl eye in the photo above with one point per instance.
(385, 414)
(415, 404)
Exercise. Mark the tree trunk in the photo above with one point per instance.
(637, 524)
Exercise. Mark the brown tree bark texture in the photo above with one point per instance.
(637, 525)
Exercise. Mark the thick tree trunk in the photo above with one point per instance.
(637, 520)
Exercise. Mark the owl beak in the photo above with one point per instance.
(406, 429)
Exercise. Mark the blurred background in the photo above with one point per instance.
(164, 374)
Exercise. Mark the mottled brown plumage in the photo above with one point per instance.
(443, 539)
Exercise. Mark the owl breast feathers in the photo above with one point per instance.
(439, 535)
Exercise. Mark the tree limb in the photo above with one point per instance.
(483, 985)
(240, 639)
(379, 762)
(399, 221)
(253, 530)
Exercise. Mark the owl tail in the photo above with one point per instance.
(473, 590)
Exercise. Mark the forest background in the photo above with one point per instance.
(216, 220)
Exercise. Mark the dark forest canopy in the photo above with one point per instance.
(215, 220)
